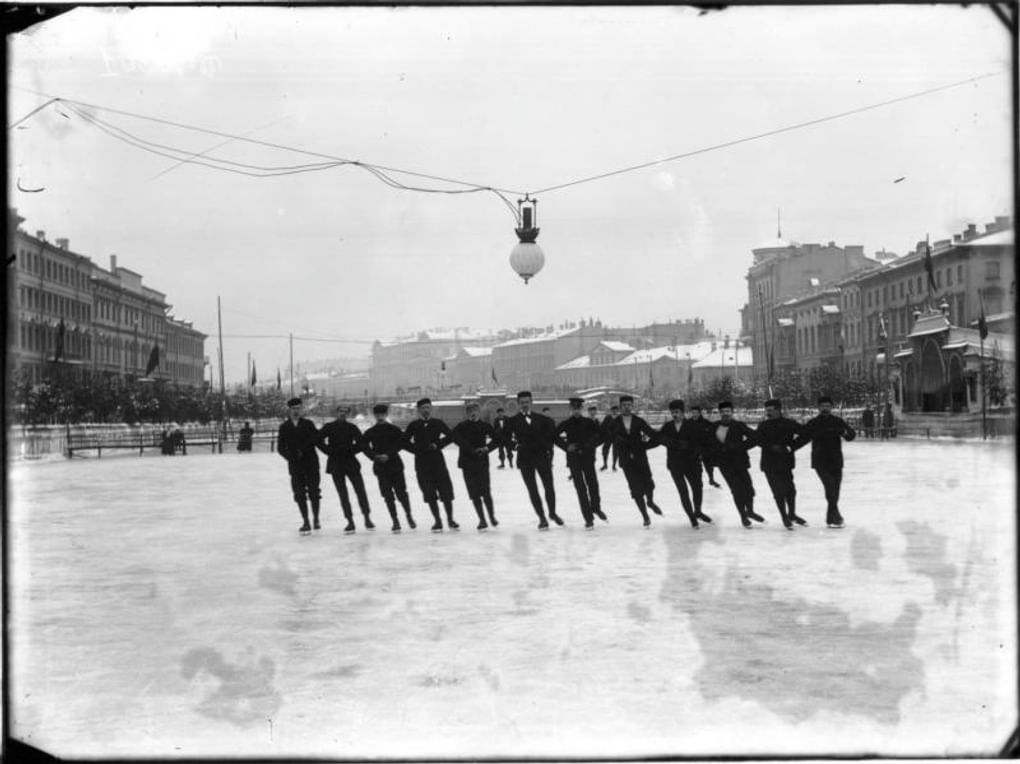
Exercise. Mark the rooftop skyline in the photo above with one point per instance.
(515, 98)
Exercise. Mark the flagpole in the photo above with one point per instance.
(984, 398)
(292, 365)
(223, 383)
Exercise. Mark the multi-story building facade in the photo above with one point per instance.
(415, 364)
(781, 270)
(110, 320)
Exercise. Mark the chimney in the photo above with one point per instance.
(62, 243)
(956, 238)
(113, 263)
(1001, 222)
(40, 235)
(971, 232)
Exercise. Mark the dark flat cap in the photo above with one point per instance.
(295, 402)
(676, 404)
(423, 401)
(380, 408)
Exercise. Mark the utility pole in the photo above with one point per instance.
(292, 365)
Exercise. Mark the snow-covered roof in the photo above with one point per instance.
(581, 362)
(997, 239)
(556, 333)
(725, 357)
(618, 346)
(478, 352)
(784, 321)
(830, 309)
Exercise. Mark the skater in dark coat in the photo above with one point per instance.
(295, 442)
(506, 447)
(580, 436)
(685, 441)
(633, 437)
(709, 429)
(383, 443)
(341, 441)
(533, 436)
(826, 433)
(476, 440)
(608, 443)
(732, 441)
(426, 438)
(776, 436)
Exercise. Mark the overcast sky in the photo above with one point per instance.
(514, 98)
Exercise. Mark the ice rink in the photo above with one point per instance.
(168, 607)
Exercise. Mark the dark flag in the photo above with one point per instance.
(153, 360)
(59, 350)
(494, 380)
(279, 380)
(929, 268)
(253, 377)
(982, 322)
(442, 365)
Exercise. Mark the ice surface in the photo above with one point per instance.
(168, 607)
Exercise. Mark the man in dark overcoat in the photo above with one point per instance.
(776, 437)
(685, 441)
(506, 447)
(426, 437)
(731, 440)
(383, 443)
(342, 441)
(295, 442)
(476, 439)
(579, 437)
(826, 433)
(633, 437)
(533, 436)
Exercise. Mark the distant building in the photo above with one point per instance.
(726, 360)
(111, 321)
(781, 270)
(415, 364)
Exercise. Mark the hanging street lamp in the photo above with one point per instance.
(527, 258)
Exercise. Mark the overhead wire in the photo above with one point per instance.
(382, 172)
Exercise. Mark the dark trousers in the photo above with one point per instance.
(639, 477)
(434, 481)
(605, 453)
(341, 474)
(506, 453)
(476, 480)
(392, 484)
(783, 490)
(304, 484)
(741, 487)
(688, 473)
(544, 469)
(586, 482)
(831, 481)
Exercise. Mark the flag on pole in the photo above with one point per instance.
(253, 377)
(494, 380)
(153, 360)
(929, 268)
(982, 322)
(279, 379)
(442, 366)
(59, 350)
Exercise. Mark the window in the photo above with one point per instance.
(869, 299)
(901, 290)
(938, 279)
(885, 295)
(949, 277)
(959, 273)
(992, 270)
(919, 285)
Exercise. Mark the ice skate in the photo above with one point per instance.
(654, 507)
(589, 525)
(755, 516)
(556, 518)
(452, 525)
(315, 524)
(396, 527)
(410, 522)
(600, 515)
(543, 524)
(369, 525)
(437, 526)
(798, 519)
(349, 528)
(646, 522)
(482, 525)
(703, 517)
(492, 519)
(305, 529)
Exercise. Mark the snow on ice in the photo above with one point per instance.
(168, 607)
